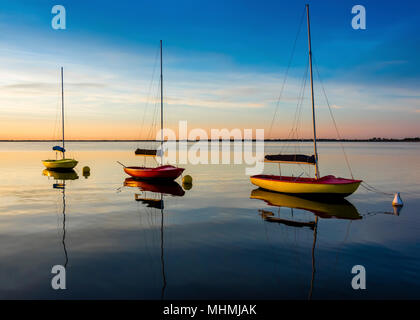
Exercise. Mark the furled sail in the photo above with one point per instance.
(146, 152)
(293, 158)
(58, 148)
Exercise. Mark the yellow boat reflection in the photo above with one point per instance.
(340, 208)
(61, 175)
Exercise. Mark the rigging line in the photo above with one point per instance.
(294, 131)
(299, 120)
(374, 213)
(374, 189)
(64, 96)
(299, 116)
(286, 74)
(299, 104)
(57, 111)
(155, 122)
(154, 118)
(153, 128)
(148, 94)
(332, 117)
(300, 97)
(57, 108)
(371, 188)
(295, 117)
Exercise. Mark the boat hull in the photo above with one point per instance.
(328, 186)
(167, 172)
(62, 164)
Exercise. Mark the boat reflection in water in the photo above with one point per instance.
(60, 178)
(60, 175)
(336, 208)
(151, 195)
(165, 187)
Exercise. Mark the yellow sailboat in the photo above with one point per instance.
(62, 164)
(329, 185)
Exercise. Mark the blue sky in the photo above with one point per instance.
(224, 64)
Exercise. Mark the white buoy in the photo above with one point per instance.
(397, 200)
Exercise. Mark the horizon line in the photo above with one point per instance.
(374, 139)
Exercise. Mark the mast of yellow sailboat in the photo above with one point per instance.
(312, 94)
(62, 107)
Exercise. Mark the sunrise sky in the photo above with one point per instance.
(224, 65)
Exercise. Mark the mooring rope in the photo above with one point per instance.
(149, 94)
(371, 188)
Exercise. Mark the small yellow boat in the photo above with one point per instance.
(61, 164)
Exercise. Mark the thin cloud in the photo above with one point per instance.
(115, 91)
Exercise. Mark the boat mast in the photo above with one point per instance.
(161, 105)
(62, 107)
(312, 94)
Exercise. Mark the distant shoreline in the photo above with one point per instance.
(417, 139)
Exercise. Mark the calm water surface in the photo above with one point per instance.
(220, 239)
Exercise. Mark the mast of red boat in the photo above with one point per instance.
(312, 94)
(161, 106)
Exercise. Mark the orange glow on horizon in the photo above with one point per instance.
(84, 130)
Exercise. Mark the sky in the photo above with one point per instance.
(224, 65)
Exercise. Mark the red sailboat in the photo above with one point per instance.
(166, 172)
(163, 172)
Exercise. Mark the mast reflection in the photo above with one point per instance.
(151, 195)
(321, 209)
(60, 184)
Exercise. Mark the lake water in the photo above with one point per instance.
(218, 240)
